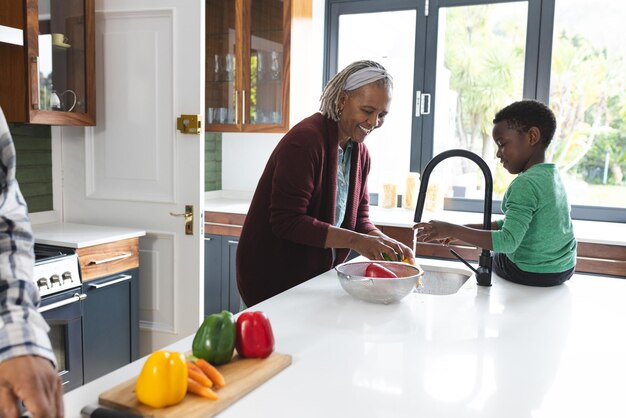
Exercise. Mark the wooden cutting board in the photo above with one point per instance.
(241, 375)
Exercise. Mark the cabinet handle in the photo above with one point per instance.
(223, 224)
(236, 107)
(34, 95)
(230, 241)
(108, 260)
(243, 107)
(122, 278)
(208, 239)
(75, 298)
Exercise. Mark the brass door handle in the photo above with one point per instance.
(186, 215)
(188, 219)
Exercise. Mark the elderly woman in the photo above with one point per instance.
(311, 206)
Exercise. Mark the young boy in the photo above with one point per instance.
(534, 244)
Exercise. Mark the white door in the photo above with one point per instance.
(138, 167)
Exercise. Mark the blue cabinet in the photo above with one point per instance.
(220, 277)
(110, 323)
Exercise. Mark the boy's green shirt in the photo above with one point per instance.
(536, 233)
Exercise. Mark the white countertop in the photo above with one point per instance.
(74, 235)
(610, 233)
(504, 351)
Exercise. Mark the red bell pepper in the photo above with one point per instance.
(379, 271)
(254, 335)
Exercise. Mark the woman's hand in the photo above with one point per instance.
(371, 245)
(376, 245)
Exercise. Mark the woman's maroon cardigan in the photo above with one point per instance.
(283, 236)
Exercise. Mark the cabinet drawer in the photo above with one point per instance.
(106, 259)
(219, 223)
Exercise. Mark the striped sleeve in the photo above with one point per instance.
(23, 331)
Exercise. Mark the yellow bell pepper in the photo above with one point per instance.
(163, 379)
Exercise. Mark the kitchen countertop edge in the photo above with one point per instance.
(76, 235)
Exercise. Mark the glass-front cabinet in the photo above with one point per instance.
(50, 78)
(247, 65)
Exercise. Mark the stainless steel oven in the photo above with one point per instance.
(58, 278)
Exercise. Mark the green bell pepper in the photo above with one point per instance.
(215, 339)
(387, 258)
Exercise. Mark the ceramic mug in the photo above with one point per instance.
(74, 99)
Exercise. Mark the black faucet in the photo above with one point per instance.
(483, 273)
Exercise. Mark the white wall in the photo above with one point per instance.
(244, 155)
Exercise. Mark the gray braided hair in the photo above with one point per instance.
(329, 101)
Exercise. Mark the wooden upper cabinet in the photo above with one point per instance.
(50, 80)
(247, 65)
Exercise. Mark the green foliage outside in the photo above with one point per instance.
(484, 77)
(485, 57)
(588, 100)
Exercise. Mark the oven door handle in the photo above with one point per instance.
(77, 297)
(122, 278)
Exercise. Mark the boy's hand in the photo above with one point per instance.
(434, 231)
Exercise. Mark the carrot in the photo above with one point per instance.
(211, 371)
(197, 389)
(192, 366)
(198, 375)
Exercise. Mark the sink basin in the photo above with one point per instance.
(442, 280)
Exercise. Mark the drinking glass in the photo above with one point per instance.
(223, 115)
(216, 67)
(275, 66)
(229, 67)
(260, 66)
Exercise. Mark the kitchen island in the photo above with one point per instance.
(502, 351)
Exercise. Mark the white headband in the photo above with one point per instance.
(365, 76)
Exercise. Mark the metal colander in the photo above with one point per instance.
(379, 290)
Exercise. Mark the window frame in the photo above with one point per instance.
(537, 69)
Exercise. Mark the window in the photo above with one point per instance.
(481, 51)
(394, 49)
(471, 58)
(587, 84)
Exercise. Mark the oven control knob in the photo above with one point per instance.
(43, 282)
(55, 279)
(67, 276)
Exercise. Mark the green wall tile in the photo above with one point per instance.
(212, 161)
(33, 148)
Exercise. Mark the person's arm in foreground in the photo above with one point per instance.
(371, 245)
(27, 370)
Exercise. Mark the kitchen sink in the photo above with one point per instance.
(439, 280)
